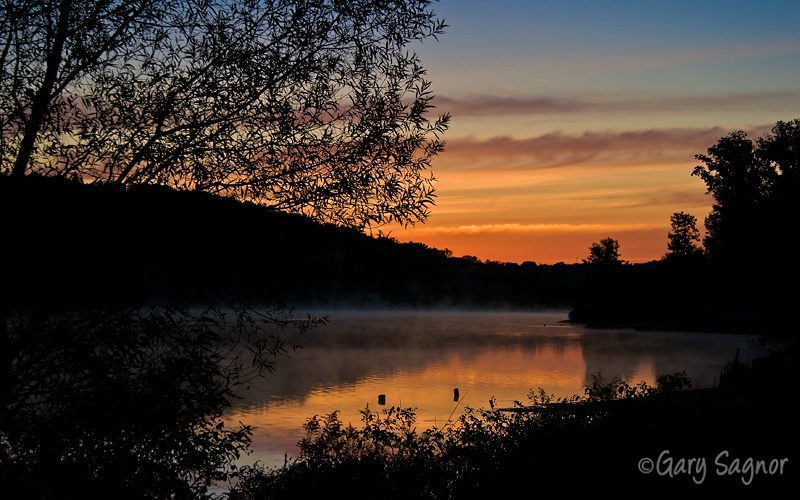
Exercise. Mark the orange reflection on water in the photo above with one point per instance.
(506, 373)
(416, 360)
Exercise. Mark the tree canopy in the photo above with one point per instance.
(311, 106)
(755, 186)
(684, 237)
(604, 252)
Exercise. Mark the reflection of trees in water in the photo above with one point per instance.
(619, 353)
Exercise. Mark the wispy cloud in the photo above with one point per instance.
(496, 105)
(489, 105)
(603, 147)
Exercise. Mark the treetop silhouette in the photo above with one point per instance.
(313, 107)
(606, 252)
(754, 185)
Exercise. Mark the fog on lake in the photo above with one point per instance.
(417, 359)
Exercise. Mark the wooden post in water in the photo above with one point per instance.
(455, 394)
(381, 399)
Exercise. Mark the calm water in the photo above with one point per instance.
(417, 359)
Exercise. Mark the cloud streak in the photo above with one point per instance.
(489, 105)
(537, 228)
(557, 149)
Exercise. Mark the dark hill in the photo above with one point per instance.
(77, 245)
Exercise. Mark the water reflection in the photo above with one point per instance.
(416, 359)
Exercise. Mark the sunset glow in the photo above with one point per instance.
(572, 123)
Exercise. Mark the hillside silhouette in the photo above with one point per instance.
(71, 244)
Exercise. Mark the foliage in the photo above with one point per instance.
(737, 280)
(392, 437)
(667, 383)
(749, 239)
(755, 187)
(735, 372)
(684, 237)
(600, 390)
(313, 107)
(605, 252)
(130, 402)
(477, 453)
(386, 454)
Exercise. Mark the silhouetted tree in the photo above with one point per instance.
(749, 231)
(755, 188)
(739, 281)
(604, 252)
(313, 107)
(607, 285)
(684, 237)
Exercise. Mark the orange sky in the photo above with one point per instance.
(546, 199)
(570, 124)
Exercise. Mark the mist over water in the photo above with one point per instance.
(417, 358)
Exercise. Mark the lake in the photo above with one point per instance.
(416, 359)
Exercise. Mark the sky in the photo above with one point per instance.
(573, 121)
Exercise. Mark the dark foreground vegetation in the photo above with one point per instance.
(616, 439)
(128, 403)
